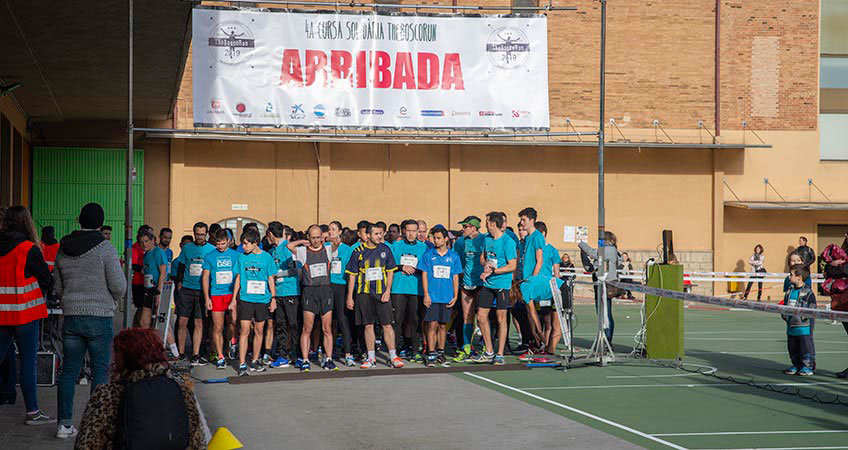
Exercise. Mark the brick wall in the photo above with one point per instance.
(661, 63)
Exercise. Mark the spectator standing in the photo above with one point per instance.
(89, 280)
(839, 269)
(756, 261)
(24, 277)
(808, 255)
(49, 246)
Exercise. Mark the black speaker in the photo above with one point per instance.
(668, 247)
(46, 369)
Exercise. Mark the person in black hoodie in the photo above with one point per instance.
(23, 303)
(89, 280)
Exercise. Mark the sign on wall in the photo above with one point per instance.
(363, 70)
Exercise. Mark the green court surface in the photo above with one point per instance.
(659, 407)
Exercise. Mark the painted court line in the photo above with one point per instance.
(621, 386)
(755, 339)
(729, 433)
(773, 448)
(577, 411)
(699, 352)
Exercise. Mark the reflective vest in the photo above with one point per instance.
(21, 301)
(50, 251)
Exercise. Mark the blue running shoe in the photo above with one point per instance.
(498, 360)
(242, 370)
(305, 366)
(221, 364)
(791, 371)
(806, 372)
(280, 363)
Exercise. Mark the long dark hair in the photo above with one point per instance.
(18, 219)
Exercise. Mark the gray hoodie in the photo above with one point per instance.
(88, 275)
(610, 258)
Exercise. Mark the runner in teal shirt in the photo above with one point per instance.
(499, 252)
(192, 258)
(407, 254)
(253, 270)
(221, 267)
(152, 262)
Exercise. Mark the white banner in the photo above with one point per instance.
(362, 70)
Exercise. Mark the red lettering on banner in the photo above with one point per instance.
(340, 62)
(372, 69)
(382, 74)
(292, 71)
(316, 62)
(452, 75)
(404, 74)
(428, 71)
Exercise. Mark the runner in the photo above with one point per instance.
(361, 233)
(440, 269)
(406, 288)
(338, 283)
(532, 256)
(422, 233)
(317, 296)
(137, 256)
(499, 261)
(154, 272)
(254, 288)
(217, 284)
(470, 247)
(551, 332)
(371, 270)
(165, 237)
(190, 304)
(287, 313)
(394, 233)
(107, 232)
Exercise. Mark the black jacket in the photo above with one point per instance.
(35, 265)
(79, 242)
(808, 255)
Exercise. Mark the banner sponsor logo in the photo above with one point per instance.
(231, 42)
(345, 69)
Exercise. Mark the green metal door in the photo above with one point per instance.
(66, 178)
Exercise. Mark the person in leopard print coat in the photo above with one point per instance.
(138, 354)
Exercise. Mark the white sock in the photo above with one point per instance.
(372, 354)
(174, 349)
(392, 354)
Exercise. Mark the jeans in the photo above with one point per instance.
(26, 336)
(608, 331)
(83, 334)
(8, 378)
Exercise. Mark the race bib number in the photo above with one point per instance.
(492, 262)
(318, 270)
(441, 272)
(374, 274)
(545, 303)
(336, 267)
(256, 287)
(148, 281)
(195, 269)
(409, 260)
(224, 277)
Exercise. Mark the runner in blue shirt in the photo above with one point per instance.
(254, 288)
(165, 237)
(338, 283)
(469, 247)
(218, 282)
(406, 288)
(155, 273)
(440, 269)
(286, 317)
(499, 262)
(189, 304)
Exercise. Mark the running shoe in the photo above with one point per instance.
(404, 353)
(368, 363)
(349, 361)
(182, 359)
(172, 357)
(266, 359)
(440, 359)
(242, 370)
(430, 360)
(38, 418)
(298, 363)
(791, 371)
(330, 365)
(843, 374)
(463, 355)
(212, 357)
(66, 432)
(279, 363)
(198, 360)
(498, 360)
(483, 358)
(397, 363)
(418, 358)
(806, 372)
(233, 353)
(305, 367)
(256, 366)
(527, 356)
(221, 364)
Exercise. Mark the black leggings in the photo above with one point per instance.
(406, 310)
(759, 287)
(344, 317)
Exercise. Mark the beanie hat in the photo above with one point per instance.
(91, 216)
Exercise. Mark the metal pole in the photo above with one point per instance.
(128, 222)
(601, 213)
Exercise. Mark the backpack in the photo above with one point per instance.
(833, 252)
(152, 415)
(587, 261)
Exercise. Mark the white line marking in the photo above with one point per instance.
(711, 371)
(750, 332)
(577, 411)
(728, 433)
(618, 386)
(698, 352)
(754, 339)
